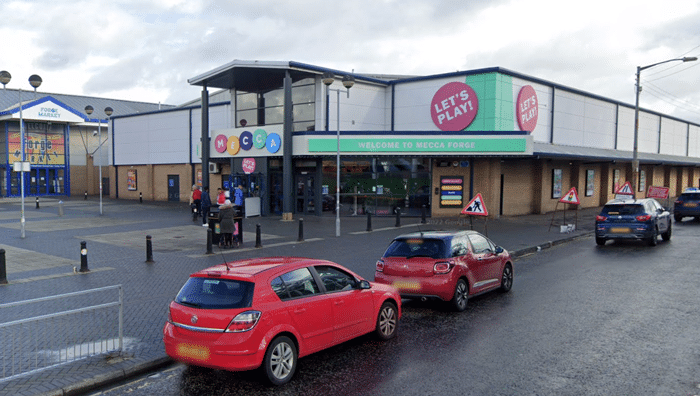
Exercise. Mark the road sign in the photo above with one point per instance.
(571, 197)
(626, 189)
(476, 207)
(657, 192)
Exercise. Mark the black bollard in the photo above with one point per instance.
(149, 249)
(86, 195)
(3, 268)
(140, 197)
(301, 231)
(398, 218)
(258, 240)
(37, 202)
(422, 215)
(194, 214)
(209, 243)
(369, 221)
(83, 257)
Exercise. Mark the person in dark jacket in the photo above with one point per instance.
(227, 227)
(206, 205)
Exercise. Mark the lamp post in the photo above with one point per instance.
(348, 82)
(35, 81)
(637, 91)
(108, 111)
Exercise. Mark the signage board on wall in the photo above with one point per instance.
(454, 106)
(526, 108)
(40, 148)
(241, 141)
(451, 191)
(432, 144)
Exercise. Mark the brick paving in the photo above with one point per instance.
(42, 264)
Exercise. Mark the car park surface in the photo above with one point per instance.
(450, 265)
(270, 311)
(633, 219)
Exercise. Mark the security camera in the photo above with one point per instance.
(94, 133)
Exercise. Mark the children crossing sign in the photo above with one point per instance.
(626, 189)
(476, 207)
(571, 197)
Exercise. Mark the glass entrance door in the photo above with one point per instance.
(305, 199)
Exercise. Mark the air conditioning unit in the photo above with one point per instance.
(213, 167)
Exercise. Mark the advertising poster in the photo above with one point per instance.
(556, 183)
(590, 182)
(451, 191)
(131, 180)
(41, 148)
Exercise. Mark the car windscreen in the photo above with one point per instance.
(417, 247)
(627, 209)
(212, 293)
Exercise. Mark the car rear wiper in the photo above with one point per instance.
(190, 304)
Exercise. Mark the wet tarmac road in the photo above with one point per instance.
(621, 319)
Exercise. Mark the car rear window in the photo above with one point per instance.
(417, 247)
(211, 293)
(630, 209)
(690, 196)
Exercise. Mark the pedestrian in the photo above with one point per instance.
(206, 205)
(238, 196)
(220, 197)
(227, 227)
(196, 200)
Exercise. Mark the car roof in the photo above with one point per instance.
(691, 190)
(628, 201)
(252, 267)
(435, 234)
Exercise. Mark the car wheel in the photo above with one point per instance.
(678, 218)
(459, 300)
(387, 321)
(653, 239)
(507, 278)
(280, 360)
(600, 241)
(667, 235)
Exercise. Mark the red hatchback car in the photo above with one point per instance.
(270, 311)
(449, 265)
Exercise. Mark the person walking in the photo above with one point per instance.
(220, 197)
(227, 227)
(197, 199)
(206, 206)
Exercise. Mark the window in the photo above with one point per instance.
(267, 107)
(298, 283)
(336, 280)
(480, 244)
(434, 248)
(209, 293)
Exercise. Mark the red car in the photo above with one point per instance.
(449, 265)
(270, 311)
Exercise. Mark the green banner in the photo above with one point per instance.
(418, 145)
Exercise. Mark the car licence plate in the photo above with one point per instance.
(690, 205)
(407, 285)
(620, 230)
(193, 351)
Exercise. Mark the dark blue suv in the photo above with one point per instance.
(688, 204)
(641, 219)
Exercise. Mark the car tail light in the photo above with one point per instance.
(643, 218)
(379, 267)
(678, 201)
(244, 321)
(443, 267)
(601, 218)
(170, 316)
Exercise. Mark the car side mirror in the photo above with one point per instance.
(364, 284)
(499, 250)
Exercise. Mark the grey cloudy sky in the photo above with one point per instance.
(146, 50)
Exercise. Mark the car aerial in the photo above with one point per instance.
(450, 265)
(268, 312)
(687, 204)
(640, 219)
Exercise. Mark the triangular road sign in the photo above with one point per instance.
(476, 207)
(626, 189)
(571, 197)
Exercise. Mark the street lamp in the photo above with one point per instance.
(35, 81)
(638, 89)
(348, 82)
(108, 111)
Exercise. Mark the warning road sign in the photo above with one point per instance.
(626, 189)
(571, 197)
(476, 207)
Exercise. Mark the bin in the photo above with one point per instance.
(215, 225)
(238, 224)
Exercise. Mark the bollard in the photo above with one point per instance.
(369, 221)
(3, 268)
(258, 240)
(149, 249)
(209, 243)
(60, 208)
(83, 257)
(301, 231)
(140, 197)
(86, 195)
(194, 214)
(398, 218)
(37, 202)
(422, 215)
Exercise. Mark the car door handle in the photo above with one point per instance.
(300, 310)
(340, 302)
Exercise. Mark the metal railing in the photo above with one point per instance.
(45, 341)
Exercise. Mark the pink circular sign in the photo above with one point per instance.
(248, 165)
(454, 106)
(220, 143)
(526, 108)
